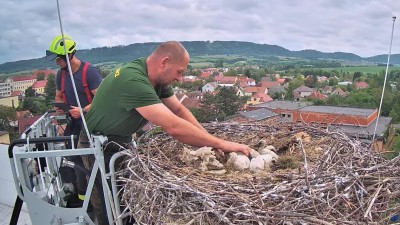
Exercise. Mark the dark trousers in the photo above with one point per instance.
(75, 175)
(97, 196)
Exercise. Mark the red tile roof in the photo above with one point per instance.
(45, 72)
(23, 114)
(39, 84)
(361, 84)
(251, 89)
(317, 95)
(24, 123)
(281, 80)
(17, 93)
(263, 97)
(205, 74)
(269, 84)
(23, 78)
(191, 103)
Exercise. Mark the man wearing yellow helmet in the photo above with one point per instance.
(86, 79)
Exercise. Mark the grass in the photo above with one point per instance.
(363, 69)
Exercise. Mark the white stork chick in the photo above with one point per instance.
(269, 150)
(238, 161)
(254, 153)
(262, 163)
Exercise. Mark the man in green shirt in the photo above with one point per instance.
(139, 92)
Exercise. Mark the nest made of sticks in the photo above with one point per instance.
(335, 180)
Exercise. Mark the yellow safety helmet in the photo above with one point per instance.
(56, 48)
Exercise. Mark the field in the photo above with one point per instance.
(363, 69)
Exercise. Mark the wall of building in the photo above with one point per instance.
(5, 89)
(11, 101)
(22, 85)
(39, 90)
(5, 138)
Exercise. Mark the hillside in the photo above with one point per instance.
(124, 54)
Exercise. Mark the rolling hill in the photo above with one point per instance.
(195, 48)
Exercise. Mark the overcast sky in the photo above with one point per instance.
(362, 27)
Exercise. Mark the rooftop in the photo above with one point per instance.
(339, 110)
(288, 105)
(259, 114)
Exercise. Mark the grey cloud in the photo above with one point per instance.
(358, 26)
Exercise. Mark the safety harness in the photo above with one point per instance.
(84, 83)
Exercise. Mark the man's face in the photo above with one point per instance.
(174, 71)
(61, 62)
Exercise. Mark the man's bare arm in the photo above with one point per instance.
(181, 111)
(185, 131)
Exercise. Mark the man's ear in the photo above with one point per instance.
(164, 61)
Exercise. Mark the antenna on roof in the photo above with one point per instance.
(384, 83)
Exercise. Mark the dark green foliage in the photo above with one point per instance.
(216, 108)
(8, 115)
(219, 63)
(227, 101)
(40, 76)
(30, 92)
(50, 89)
(357, 75)
(36, 105)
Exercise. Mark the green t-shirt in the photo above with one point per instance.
(113, 112)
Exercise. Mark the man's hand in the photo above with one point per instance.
(236, 147)
(75, 113)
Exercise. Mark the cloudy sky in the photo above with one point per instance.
(362, 27)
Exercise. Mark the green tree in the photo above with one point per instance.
(29, 92)
(103, 72)
(295, 83)
(7, 116)
(310, 81)
(357, 75)
(230, 73)
(208, 112)
(333, 81)
(219, 63)
(247, 73)
(227, 102)
(36, 106)
(50, 89)
(40, 76)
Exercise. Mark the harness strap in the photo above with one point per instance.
(84, 83)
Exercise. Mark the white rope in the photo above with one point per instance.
(72, 78)
(384, 83)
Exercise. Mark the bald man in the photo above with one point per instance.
(140, 92)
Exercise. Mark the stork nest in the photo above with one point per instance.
(320, 178)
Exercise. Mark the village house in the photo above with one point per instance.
(22, 83)
(5, 87)
(302, 92)
(361, 85)
(339, 91)
(317, 95)
(209, 87)
(258, 98)
(327, 90)
(39, 86)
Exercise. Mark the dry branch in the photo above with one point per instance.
(345, 183)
